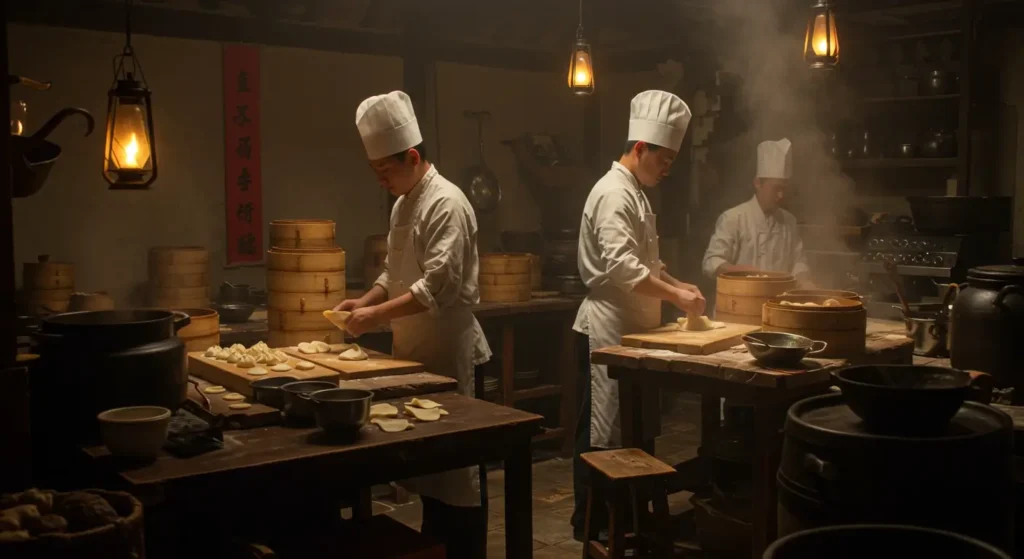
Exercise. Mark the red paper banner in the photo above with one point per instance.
(243, 188)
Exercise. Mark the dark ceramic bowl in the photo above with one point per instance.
(297, 405)
(903, 398)
(268, 391)
(341, 411)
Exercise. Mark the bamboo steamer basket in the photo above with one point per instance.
(168, 278)
(740, 295)
(158, 271)
(202, 331)
(46, 301)
(281, 338)
(305, 282)
(302, 233)
(842, 327)
(375, 253)
(304, 302)
(505, 279)
(306, 259)
(178, 255)
(292, 321)
(90, 302)
(44, 274)
(502, 263)
(504, 293)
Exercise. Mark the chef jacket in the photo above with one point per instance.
(745, 236)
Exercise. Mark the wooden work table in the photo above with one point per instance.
(733, 374)
(302, 463)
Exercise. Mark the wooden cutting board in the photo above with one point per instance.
(378, 365)
(258, 415)
(237, 379)
(691, 343)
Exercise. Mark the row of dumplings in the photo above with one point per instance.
(237, 354)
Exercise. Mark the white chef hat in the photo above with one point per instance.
(659, 118)
(775, 159)
(387, 123)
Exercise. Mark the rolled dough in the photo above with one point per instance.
(390, 425)
(383, 410)
(337, 318)
(422, 414)
(698, 324)
(354, 353)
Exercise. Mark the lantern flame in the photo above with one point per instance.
(131, 152)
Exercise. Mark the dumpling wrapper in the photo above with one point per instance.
(383, 410)
(698, 324)
(281, 367)
(239, 406)
(423, 404)
(233, 397)
(321, 347)
(215, 390)
(354, 353)
(257, 371)
(306, 347)
(305, 366)
(443, 411)
(422, 414)
(391, 425)
(337, 318)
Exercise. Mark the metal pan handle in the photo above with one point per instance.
(820, 348)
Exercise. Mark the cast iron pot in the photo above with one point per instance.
(985, 326)
(903, 398)
(267, 391)
(297, 406)
(960, 215)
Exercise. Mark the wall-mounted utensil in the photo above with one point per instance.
(480, 183)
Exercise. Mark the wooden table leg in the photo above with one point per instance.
(631, 415)
(508, 366)
(518, 502)
(767, 443)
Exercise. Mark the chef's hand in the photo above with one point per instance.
(362, 320)
(689, 287)
(691, 302)
(349, 305)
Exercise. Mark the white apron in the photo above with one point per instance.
(610, 314)
(447, 344)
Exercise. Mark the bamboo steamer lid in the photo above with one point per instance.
(280, 338)
(302, 233)
(291, 321)
(830, 293)
(755, 284)
(178, 255)
(308, 302)
(306, 259)
(504, 263)
(504, 293)
(44, 274)
(305, 282)
(203, 323)
(375, 253)
(505, 279)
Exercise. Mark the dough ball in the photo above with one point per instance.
(281, 367)
(215, 390)
(698, 324)
(354, 353)
(423, 404)
(383, 410)
(390, 425)
(305, 366)
(257, 371)
(233, 397)
(422, 414)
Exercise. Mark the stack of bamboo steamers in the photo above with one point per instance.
(178, 277)
(305, 276)
(505, 277)
(47, 286)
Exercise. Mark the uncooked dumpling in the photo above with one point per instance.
(212, 351)
(281, 356)
(237, 347)
(383, 410)
(831, 303)
(321, 347)
(235, 357)
(305, 366)
(354, 353)
(306, 347)
(281, 367)
(246, 362)
(337, 318)
(423, 404)
(223, 354)
(422, 414)
(261, 359)
(391, 425)
(701, 323)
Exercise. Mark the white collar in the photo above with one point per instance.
(421, 185)
(632, 178)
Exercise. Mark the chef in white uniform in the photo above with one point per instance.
(426, 292)
(758, 234)
(618, 261)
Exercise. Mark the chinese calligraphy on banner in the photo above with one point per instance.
(243, 192)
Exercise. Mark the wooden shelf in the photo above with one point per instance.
(541, 391)
(900, 163)
(914, 99)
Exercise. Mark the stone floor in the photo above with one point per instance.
(552, 490)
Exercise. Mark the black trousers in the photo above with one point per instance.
(462, 530)
(580, 472)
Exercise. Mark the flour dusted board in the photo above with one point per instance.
(378, 365)
(237, 379)
(691, 343)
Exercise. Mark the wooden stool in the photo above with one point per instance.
(630, 476)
